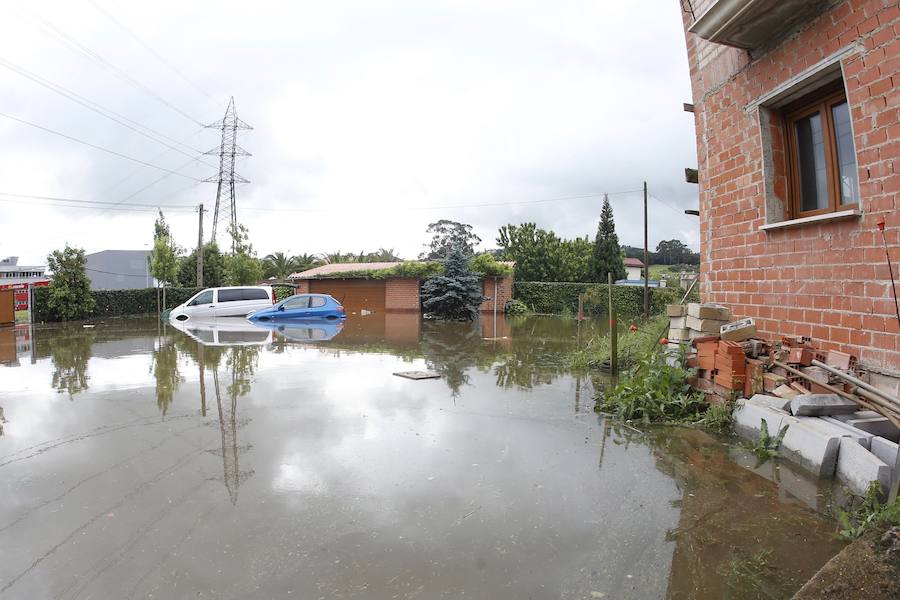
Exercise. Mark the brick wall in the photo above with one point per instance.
(828, 281)
(504, 292)
(402, 294)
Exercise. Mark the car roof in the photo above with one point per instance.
(238, 287)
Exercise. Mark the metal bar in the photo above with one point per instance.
(858, 382)
(646, 261)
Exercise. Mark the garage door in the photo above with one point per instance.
(354, 294)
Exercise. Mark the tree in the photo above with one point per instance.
(213, 267)
(673, 252)
(455, 295)
(241, 267)
(333, 258)
(70, 288)
(381, 255)
(302, 262)
(446, 235)
(607, 255)
(163, 257)
(278, 265)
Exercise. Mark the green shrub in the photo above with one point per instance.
(283, 291)
(115, 303)
(630, 348)
(515, 307)
(655, 392)
(559, 297)
(868, 512)
(487, 265)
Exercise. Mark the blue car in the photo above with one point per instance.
(302, 306)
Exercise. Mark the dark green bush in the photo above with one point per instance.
(515, 307)
(556, 297)
(115, 303)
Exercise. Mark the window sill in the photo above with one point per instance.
(840, 215)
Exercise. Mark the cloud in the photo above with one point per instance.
(368, 118)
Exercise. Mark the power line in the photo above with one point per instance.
(669, 206)
(144, 276)
(100, 202)
(149, 49)
(107, 150)
(93, 106)
(158, 179)
(119, 73)
(77, 206)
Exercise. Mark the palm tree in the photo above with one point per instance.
(278, 265)
(383, 255)
(332, 258)
(302, 262)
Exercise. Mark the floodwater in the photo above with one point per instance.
(142, 461)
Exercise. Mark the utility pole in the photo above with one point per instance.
(200, 247)
(227, 151)
(646, 261)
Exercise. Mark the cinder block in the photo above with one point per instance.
(781, 404)
(678, 323)
(747, 419)
(738, 331)
(811, 447)
(676, 310)
(822, 405)
(704, 325)
(708, 311)
(680, 335)
(857, 467)
(864, 438)
(889, 453)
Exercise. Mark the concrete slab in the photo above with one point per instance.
(822, 405)
(857, 467)
(747, 419)
(811, 446)
(878, 426)
(782, 404)
(889, 453)
(863, 437)
(860, 414)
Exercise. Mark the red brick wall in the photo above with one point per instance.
(504, 292)
(402, 294)
(302, 286)
(827, 281)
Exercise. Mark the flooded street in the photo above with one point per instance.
(143, 461)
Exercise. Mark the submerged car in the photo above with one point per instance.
(224, 302)
(302, 306)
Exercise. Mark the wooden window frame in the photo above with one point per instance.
(820, 103)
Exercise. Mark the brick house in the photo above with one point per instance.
(796, 108)
(358, 293)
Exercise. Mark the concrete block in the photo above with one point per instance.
(782, 404)
(676, 310)
(792, 482)
(678, 323)
(864, 438)
(821, 405)
(876, 425)
(860, 414)
(857, 467)
(747, 418)
(812, 447)
(889, 453)
(708, 311)
(680, 335)
(704, 325)
(738, 331)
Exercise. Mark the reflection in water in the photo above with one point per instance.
(164, 366)
(70, 352)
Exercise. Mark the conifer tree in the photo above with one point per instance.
(455, 295)
(607, 255)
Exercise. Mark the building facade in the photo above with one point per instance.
(798, 138)
(119, 270)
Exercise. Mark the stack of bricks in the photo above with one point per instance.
(687, 323)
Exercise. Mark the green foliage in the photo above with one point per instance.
(719, 417)
(673, 252)
(744, 572)
(606, 256)
(278, 265)
(380, 255)
(213, 267)
(540, 255)
(767, 446)
(655, 392)
(455, 295)
(868, 512)
(164, 261)
(487, 265)
(447, 235)
(515, 307)
(303, 262)
(70, 289)
(419, 270)
(241, 267)
(282, 292)
(557, 297)
(631, 345)
(113, 303)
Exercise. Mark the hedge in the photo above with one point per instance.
(561, 297)
(115, 303)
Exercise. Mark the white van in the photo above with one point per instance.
(225, 302)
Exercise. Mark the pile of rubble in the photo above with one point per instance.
(838, 425)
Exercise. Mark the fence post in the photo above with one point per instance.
(613, 331)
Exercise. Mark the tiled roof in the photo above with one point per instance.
(633, 262)
(341, 268)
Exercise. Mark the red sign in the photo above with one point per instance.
(21, 291)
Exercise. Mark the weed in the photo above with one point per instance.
(631, 346)
(868, 512)
(718, 417)
(742, 572)
(767, 446)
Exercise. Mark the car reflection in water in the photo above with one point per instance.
(303, 331)
(224, 331)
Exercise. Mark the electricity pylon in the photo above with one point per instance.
(227, 152)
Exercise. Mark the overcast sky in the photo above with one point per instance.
(371, 119)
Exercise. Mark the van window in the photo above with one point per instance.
(202, 298)
(235, 295)
(316, 302)
(256, 294)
